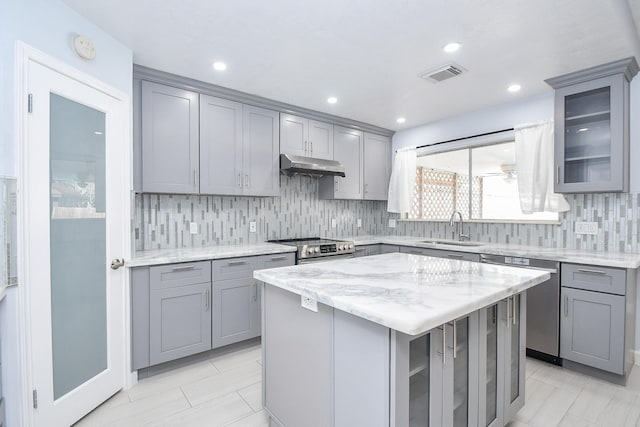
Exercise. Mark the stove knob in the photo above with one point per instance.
(340, 247)
(350, 246)
(316, 250)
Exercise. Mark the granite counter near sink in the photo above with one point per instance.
(606, 259)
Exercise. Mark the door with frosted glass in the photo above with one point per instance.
(75, 194)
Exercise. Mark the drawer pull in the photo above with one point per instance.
(184, 267)
(236, 263)
(566, 306)
(207, 297)
(586, 270)
(278, 258)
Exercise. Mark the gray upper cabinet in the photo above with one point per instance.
(261, 152)
(377, 166)
(169, 122)
(239, 148)
(220, 146)
(348, 150)
(592, 128)
(306, 137)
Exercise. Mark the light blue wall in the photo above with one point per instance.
(48, 26)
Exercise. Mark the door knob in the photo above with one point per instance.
(116, 263)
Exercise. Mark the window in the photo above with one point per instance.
(479, 181)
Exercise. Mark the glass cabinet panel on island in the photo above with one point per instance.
(592, 128)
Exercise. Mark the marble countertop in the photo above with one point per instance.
(167, 256)
(409, 293)
(605, 259)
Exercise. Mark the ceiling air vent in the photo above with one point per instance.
(442, 73)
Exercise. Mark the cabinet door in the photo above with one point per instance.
(360, 251)
(592, 329)
(388, 249)
(169, 139)
(180, 322)
(490, 368)
(348, 145)
(220, 146)
(236, 315)
(591, 145)
(514, 310)
(320, 140)
(261, 152)
(373, 250)
(294, 134)
(460, 377)
(377, 166)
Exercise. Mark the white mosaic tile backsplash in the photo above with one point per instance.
(162, 221)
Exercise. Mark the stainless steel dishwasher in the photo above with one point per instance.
(543, 307)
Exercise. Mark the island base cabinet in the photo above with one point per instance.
(180, 322)
(236, 314)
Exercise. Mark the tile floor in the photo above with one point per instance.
(225, 391)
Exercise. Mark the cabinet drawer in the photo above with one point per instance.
(276, 260)
(172, 275)
(233, 268)
(593, 278)
(412, 250)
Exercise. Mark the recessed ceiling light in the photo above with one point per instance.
(514, 88)
(401, 120)
(219, 66)
(332, 100)
(451, 47)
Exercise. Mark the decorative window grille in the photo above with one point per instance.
(438, 193)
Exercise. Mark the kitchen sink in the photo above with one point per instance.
(452, 242)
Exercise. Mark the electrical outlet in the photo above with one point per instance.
(359, 223)
(584, 227)
(334, 223)
(309, 303)
(193, 227)
(252, 226)
(392, 223)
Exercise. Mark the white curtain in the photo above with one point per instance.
(534, 166)
(402, 182)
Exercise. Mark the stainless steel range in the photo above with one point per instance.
(316, 249)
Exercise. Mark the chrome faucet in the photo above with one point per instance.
(459, 226)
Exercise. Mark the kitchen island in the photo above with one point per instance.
(394, 340)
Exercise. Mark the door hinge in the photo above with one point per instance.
(35, 399)
(30, 103)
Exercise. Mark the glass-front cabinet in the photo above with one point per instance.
(592, 128)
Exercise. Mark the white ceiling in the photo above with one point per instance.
(368, 52)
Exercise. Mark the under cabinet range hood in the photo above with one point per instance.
(291, 165)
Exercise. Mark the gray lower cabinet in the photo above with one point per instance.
(367, 250)
(169, 139)
(186, 308)
(377, 166)
(597, 317)
(388, 249)
(179, 311)
(236, 311)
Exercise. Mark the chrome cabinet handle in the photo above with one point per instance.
(184, 267)
(566, 306)
(239, 180)
(255, 292)
(586, 270)
(306, 145)
(514, 306)
(195, 176)
(455, 339)
(311, 148)
(508, 312)
(207, 297)
(278, 258)
(116, 263)
(246, 180)
(558, 174)
(236, 262)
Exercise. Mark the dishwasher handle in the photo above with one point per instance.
(492, 262)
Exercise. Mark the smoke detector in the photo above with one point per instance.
(442, 73)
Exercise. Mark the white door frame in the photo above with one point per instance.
(25, 54)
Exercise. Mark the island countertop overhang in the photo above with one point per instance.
(411, 294)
